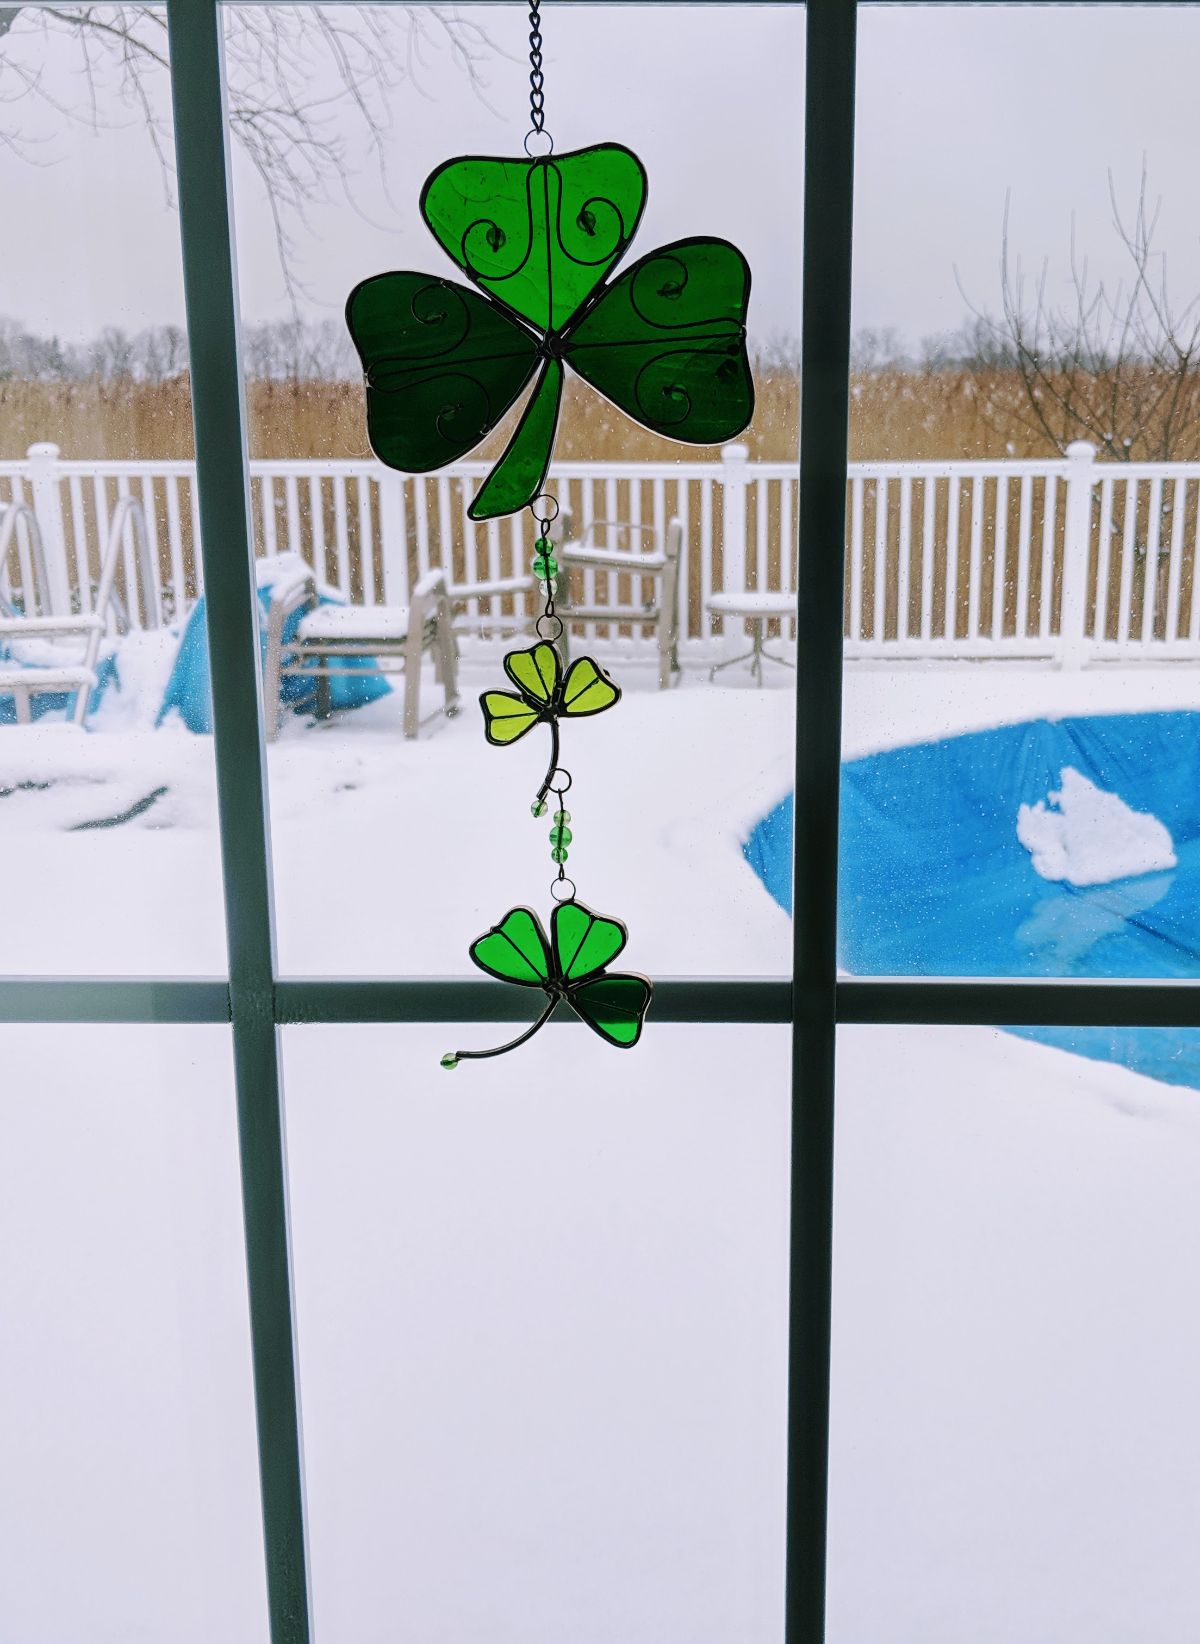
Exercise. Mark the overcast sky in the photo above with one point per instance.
(957, 107)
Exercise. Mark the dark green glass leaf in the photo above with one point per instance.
(442, 365)
(538, 234)
(667, 342)
(515, 950)
(518, 476)
(614, 1006)
(584, 942)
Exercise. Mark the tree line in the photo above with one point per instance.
(272, 351)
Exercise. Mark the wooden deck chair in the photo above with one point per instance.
(54, 652)
(624, 548)
(358, 640)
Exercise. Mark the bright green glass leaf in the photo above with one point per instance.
(587, 689)
(614, 1006)
(666, 342)
(519, 475)
(535, 672)
(538, 234)
(584, 942)
(442, 366)
(506, 717)
(515, 950)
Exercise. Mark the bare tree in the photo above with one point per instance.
(1115, 364)
(305, 84)
(877, 348)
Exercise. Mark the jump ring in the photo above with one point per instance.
(542, 154)
(560, 786)
(566, 895)
(550, 501)
(556, 632)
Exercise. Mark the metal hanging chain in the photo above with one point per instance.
(537, 80)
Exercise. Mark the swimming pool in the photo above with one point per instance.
(936, 882)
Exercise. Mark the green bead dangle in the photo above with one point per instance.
(562, 816)
(545, 566)
(561, 836)
(538, 808)
(558, 854)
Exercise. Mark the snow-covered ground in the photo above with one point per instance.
(391, 856)
(542, 1302)
(542, 1341)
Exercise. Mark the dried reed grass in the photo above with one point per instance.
(894, 415)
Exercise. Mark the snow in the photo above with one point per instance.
(391, 855)
(1085, 836)
(542, 1302)
(542, 1338)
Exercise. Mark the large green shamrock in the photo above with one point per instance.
(665, 341)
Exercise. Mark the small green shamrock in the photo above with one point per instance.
(665, 341)
(572, 966)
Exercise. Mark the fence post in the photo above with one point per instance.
(733, 481)
(1077, 543)
(47, 505)
(393, 543)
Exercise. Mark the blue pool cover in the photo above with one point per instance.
(934, 881)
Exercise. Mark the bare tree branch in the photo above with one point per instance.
(1114, 365)
(307, 87)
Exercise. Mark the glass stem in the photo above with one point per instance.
(499, 1050)
(553, 765)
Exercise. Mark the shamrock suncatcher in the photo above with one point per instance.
(572, 966)
(665, 341)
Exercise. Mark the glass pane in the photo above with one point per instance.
(1015, 1442)
(1022, 613)
(107, 827)
(130, 1505)
(543, 1328)
(430, 840)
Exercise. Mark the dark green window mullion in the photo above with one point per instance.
(821, 526)
(863, 1001)
(222, 477)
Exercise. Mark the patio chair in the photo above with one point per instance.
(49, 652)
(358, 641)
(520, 589)
(660, 565)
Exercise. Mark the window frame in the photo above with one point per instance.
(256, 1000)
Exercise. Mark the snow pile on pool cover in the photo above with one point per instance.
(1086, 836)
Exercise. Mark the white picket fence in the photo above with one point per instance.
(1068, 561)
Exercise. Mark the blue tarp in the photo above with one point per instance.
(48, 702)
(188, 689)
(934, 881)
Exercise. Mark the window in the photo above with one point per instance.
(298, 1010)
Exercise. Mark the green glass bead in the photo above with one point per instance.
(538, 808)
(449, 1059)
(545, 568)
(561, 836)
(544, 545)
(562, 816)
(558, 854)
